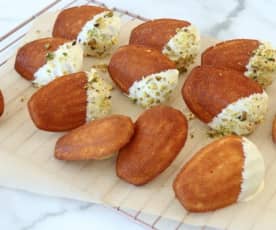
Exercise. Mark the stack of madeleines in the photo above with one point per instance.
(227, 92)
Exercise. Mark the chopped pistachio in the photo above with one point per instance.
(190, 116)
(102, 67)
(100, 34)
(183, 47)
(110, 14)
(243, 116)
(262, 64)
(149, 91)
(22, 99)
(98, 96)
(50, 56)
(47, 45)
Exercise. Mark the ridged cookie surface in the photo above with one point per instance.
(70, 21)
(160, 134)
(156, 33)
(133, 62)
(33, 55)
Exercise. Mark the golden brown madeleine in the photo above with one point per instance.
(212, 178)
(2, 105)
(177, 39)
(255, 59)
(160, 134)
(226, 171)
(67, 102)
(145, 75)
(96, 140)
(60, 105)
(225, 99)
(274, 130)
(33, 55)
(233, 54)
(70, 21)
(208, 90)
(156, 33)
(131, 63)
(95, 29)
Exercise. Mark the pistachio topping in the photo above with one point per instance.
(240, 117)
(50, 56)
(47, 45)
(190, 116)
(183, 47)
(154, 89)
(262, 65)
(100, 67)
(98, 96)
(99, 35)
(65, 60)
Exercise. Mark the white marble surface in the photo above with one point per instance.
(221, 19)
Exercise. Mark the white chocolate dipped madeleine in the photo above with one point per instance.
(96, 29)
(70, 101)
(43, 60)
(177, 39)
(225, 100)
(255, 59)
(145, 75)
(226, 171)
(67, 59)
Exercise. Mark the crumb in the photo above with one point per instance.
(47, 46)
(192, 135)
(211, 133)
(190, 116)
(38, 31)
(101, 67)
(35, 85)
(22, 99)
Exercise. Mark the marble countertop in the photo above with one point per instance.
(220, 19)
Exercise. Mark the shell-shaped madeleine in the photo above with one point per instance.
(225, 99)
(160, 134)
(60, 105)
(222, 173)
(98, 139)
(33, 55)
(70, 21)
(156, 33)
(233, 54)
(131, 63)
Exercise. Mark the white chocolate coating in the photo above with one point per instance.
(154, 89)
(262, 65)
(183, 47)
(253, 171)
(67, 59)
(100, 34)
(242, 116)
(98, 96)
